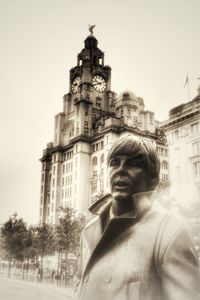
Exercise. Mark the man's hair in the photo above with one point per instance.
(143, 151)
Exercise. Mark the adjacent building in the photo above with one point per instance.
(74, 171)
(183, 134)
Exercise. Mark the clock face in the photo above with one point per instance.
(76, 85)
(99, 83)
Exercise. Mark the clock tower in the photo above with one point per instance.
(90, 93)
(67, 162)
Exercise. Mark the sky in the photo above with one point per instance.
(150, 46)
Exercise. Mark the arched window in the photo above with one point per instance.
(94, 161)
(164, 165)
(71, 132)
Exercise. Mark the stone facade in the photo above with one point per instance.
(183, 134)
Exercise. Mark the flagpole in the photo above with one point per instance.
(188, 88)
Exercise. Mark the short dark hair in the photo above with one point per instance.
(143, 150)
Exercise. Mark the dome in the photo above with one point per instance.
(127, 94)
(91, 42)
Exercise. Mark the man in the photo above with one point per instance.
(133, 248)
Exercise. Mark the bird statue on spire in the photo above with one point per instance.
(91, 28)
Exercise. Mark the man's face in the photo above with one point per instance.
(126, 177)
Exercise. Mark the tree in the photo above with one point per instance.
(30, 251)
(43, 242)
(67, 234)
(14, 233)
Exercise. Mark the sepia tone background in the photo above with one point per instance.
(150, 45)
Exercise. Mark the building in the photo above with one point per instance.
(74, 171)
(183, 134)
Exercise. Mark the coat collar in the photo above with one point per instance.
(143, 202)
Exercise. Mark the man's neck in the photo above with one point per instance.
(123, 207)
(132, 206)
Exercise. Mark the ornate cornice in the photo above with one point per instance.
(174, 121)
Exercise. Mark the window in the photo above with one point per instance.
(98, 102)
(94, 173)
(77, 127)
(151, 118)
(42, 177)
(197, 168)
(63, 169)
(134, 119)
(94, 187)
(134, 108)
(176, 135)
(164, 177)
(122, 112)
(53, 182)
(102, 159)
(86, 125)
(94, 161)
(164, 165)
(194, 128)
(102, 145)
(71, 132)
(196, 148)
(54, 170)
(107, 138)
(54, 158)
(101, 185)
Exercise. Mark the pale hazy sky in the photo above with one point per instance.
(150, 45)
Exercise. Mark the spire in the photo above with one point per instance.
(91, 55)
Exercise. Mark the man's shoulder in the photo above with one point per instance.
(91, 223)
(170, 219)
